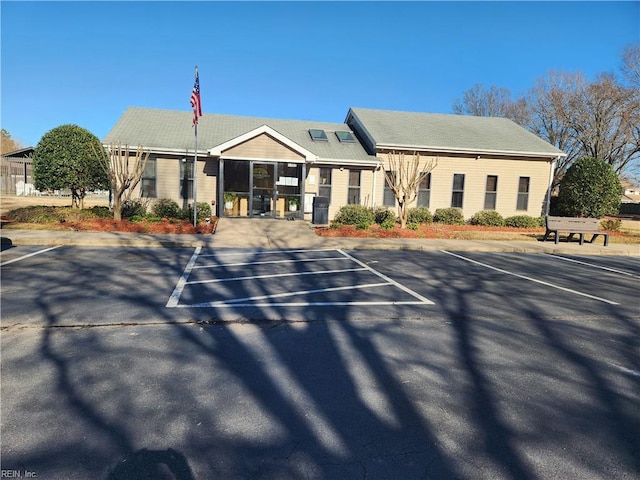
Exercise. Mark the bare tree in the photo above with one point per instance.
(491, 102)
(605, 118)
(124, 169)
(631, 64)
(598, 119)
(404, 177)
(548, 103)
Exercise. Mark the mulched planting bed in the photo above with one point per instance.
(432, 231)
(110, 225)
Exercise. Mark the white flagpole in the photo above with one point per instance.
(195, 181)
(195, 156)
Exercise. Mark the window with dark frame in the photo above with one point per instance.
(186, 179)
(389, 197)
(354, 187)
(491, 192)
(324, 185)
(523, 194)
(148, 181)
(457, 193)
(424, 191)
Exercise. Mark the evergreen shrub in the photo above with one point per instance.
(487, 218)
(166, 208)
(524, 221)
(355, 215)
(419, 215)
(449, 216)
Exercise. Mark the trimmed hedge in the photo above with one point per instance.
(419, 215)
(524, 221)
(487, 218)
(133, 208)
(204, 211)
(449, 216)
(167, 208)
(383, 214)
(358, 215)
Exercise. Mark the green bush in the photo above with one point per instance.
(611, 224)
(524, 221)
(388, 224)
(355, 215)
(132, 208)
(413, 226)
(590, 188)
(487, 218)
(419, 215)
(166, 208)
(449, 216)
(383, 214)
(101, 212)
(204, 211)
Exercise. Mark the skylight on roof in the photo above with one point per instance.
(317, 134)
(345, 137)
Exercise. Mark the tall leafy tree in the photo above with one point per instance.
(70, 157)
(590, 188)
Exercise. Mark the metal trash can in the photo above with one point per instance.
(320, 214)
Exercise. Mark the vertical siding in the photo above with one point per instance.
(264, 146)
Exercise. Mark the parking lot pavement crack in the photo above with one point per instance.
(77, 326)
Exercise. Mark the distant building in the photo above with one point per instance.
(261, 167)
(16, 172)
(631, 193)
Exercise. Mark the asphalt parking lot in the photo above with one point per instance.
(318, 363)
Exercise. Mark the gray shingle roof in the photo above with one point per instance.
(171, 131)
(441, 132)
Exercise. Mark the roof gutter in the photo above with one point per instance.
(170, 151)
(471, 151)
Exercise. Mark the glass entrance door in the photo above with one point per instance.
(263, 198)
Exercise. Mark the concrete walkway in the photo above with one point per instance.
(282, 234)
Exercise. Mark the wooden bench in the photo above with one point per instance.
(573, 226)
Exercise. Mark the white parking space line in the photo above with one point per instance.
(30, 255)
(259, 301)
(274, 275)
(235, 301)
(524, 277)
(177, 292)
(390, 280)
(608, 269)
(264, 252)
(300, 260)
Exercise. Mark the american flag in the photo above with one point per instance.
(195, 99)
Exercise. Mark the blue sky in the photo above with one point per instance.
(86, 62)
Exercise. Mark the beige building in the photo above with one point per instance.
(261, 167)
